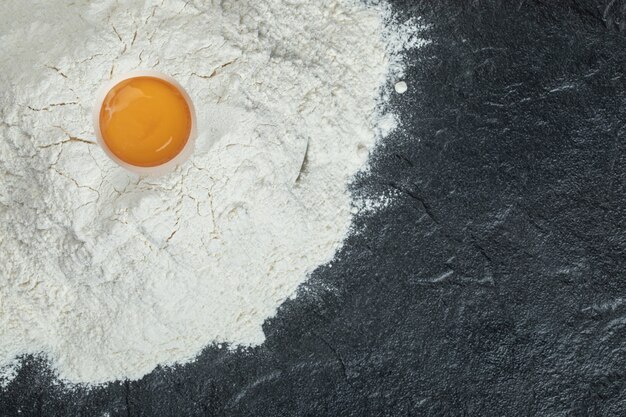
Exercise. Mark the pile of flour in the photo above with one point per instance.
(108, 274)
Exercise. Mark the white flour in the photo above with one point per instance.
(109, 275)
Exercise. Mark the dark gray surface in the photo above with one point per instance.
(494, 285)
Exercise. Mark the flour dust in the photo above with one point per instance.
(109, 275)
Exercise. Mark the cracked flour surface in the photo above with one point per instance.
(108, 274)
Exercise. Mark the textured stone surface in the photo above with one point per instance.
(493, 285)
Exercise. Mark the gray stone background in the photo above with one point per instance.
(494, 285)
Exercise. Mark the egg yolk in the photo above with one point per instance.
(145, 121)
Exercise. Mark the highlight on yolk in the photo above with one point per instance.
(145, 121)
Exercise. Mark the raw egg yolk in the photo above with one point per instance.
(145, 121)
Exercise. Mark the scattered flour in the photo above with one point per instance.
(108, 274)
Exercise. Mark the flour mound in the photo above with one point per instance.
(108, 274)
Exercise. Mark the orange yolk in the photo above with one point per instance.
(145, 121)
